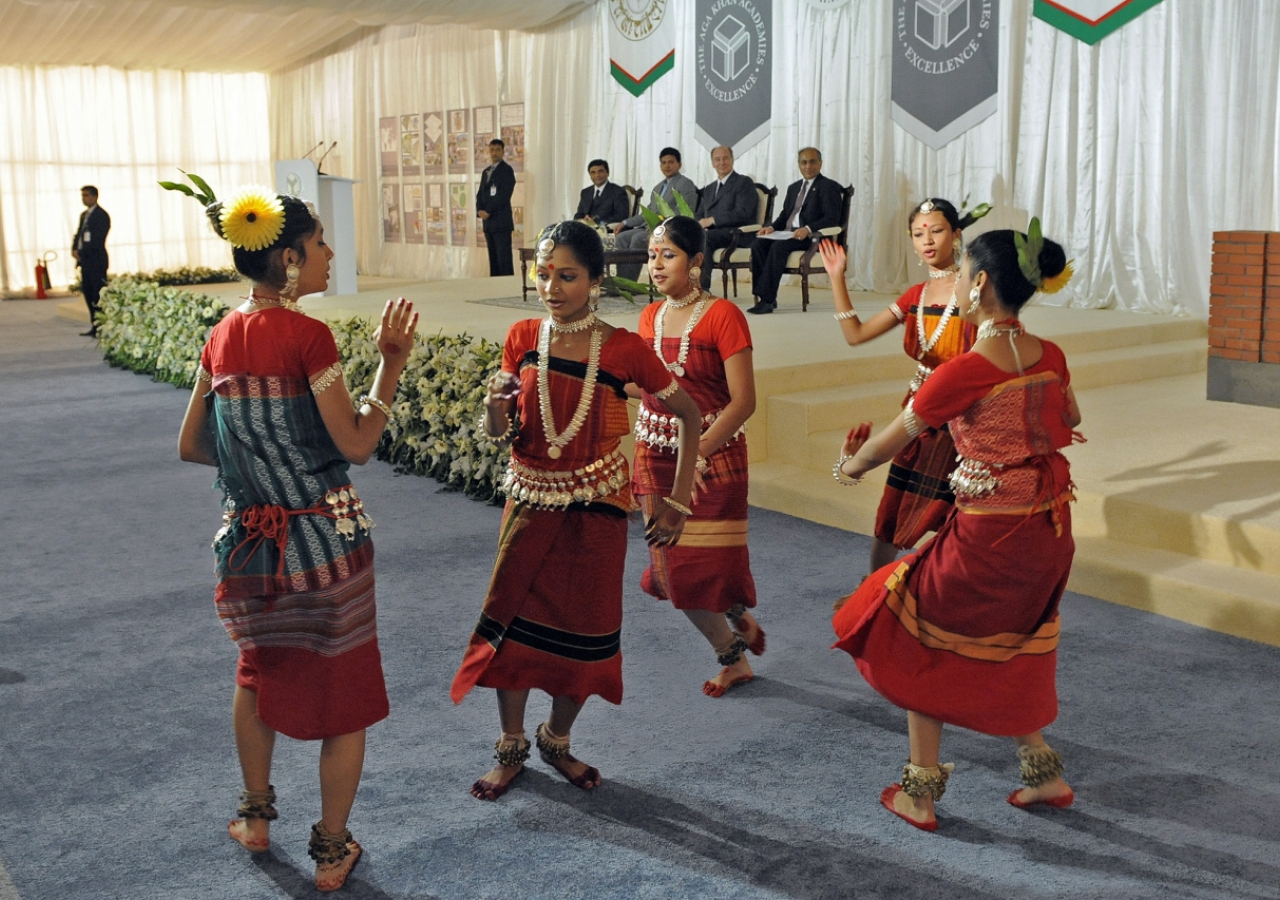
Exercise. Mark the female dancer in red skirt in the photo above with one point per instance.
(705, 343)
(552, 618)
(294, 556)
(917, 495)
(965, 631)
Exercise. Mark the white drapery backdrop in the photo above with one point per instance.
(1132, 151)
(122, 131)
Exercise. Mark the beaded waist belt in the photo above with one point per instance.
(268, 522)
(556, 489)
(974, 478)
(663, 432)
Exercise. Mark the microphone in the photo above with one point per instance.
(312, 150)
(323, 155)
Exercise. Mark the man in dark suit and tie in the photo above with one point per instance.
(89, 250)
(601, 202)
(812, 203)
(727, 203)
(493, 207)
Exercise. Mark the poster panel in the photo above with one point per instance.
(459, 137)
(391, 224)
(411, 145)
(435, 214)
(389, 146)
(459, 212)
(433, 143)
(483, 129)
(413, 224)
(512, 115)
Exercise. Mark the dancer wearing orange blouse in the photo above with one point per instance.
(917, 497)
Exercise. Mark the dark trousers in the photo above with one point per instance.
(768, 259)
(499, 243)
(92, 279)
(718, 239)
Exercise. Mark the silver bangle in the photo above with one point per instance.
(847, 314)
(377, 404)
(506, 435)
(678, 507)
(840, 476)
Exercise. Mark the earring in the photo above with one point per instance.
(695, 273)
(920, 261)
(291, 274)
(593, 298)
(975, 300)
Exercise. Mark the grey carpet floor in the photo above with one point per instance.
(118, 774)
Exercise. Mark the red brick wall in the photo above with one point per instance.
(1244, 296)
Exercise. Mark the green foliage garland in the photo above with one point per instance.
(159, 331)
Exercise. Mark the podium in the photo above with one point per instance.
(333, 198)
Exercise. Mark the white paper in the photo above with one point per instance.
(776, 236)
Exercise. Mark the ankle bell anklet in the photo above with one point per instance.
(550, 745)
(1040, 764)
(919, 781)
(511, 750)
(733, 653)
(258, 805)
(327, 849)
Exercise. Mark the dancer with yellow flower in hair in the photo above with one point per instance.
(965, 630)
(294, 559)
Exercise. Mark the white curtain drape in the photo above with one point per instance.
(61, 128)
(1132, 151)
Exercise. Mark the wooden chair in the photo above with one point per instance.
(732, 258)
(801, 262)
(634, 197)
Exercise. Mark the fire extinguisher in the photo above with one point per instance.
(42, 275)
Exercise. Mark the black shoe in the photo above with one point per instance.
(762, 308)
(92, 332)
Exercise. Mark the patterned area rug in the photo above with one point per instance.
(608, 305)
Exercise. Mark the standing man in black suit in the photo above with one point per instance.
(89, 250)
(601, 202)
(812, 203)
(727, 203)
(493, 207)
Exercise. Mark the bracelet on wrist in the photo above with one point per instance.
(847, 314)
(507, 435)
(678, 507)
(839, 475)
(377, 404)
(701, 465)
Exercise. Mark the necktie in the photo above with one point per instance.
(795, 209)
(715, 194)
(80, 231)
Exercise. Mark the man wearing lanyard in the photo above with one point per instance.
(812, 203)
(89, 250)
(493, 207)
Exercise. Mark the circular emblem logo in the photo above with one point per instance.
(637, 19)
(733, 46)
(937, 37)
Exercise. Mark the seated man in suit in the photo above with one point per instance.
(633, 233)
(812, 203)
(602, 202)
(727, 203)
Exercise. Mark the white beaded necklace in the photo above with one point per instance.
(937, 274)
(677, 367)
(928, 344)
(587, 321)
(282, 302)
(556, 440)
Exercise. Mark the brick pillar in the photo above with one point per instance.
(1244, 318)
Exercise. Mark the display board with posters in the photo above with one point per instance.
(459, 136)
(517, 214)
(433, 143)
(512, 123)
(483, 130)
(435, 214)
(414, 231)
(389, 146)
(411, 145)
(459, 212)
(391, 224)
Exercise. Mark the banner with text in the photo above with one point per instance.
(734, 60)
(945, 66)
(642, 42)
(1090, 20)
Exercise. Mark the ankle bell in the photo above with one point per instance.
(258, 804)
(731, 652)
(919, 781)
(511, 749)
(551, 745)
(1040, 764)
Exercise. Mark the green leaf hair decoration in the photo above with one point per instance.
(204, 195)
(651, 218)
(1029, 253)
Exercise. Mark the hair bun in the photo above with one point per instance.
(1053, 259)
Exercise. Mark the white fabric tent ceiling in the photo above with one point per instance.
(231, 35)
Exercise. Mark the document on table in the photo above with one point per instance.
(776, 236)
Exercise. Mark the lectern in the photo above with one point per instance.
(334, 201)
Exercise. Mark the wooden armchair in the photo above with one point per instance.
(802, 262)
(735, 257)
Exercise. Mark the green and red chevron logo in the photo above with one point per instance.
(1090, 20)
(638, 86)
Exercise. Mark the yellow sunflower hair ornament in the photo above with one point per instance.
(1059, 281)
(252, 218)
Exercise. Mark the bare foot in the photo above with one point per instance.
(494, 783)
(578, 773)
(252, 834)
(737, 673)
(331, 876)
(747, 626)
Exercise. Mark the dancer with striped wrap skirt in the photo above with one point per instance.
(294, 559)
(552, 618)
(705, 343)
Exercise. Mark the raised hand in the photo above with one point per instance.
(394, 336)
(833, 257)
(503, 387)
(857, 436)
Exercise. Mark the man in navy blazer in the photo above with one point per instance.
(813, 203)
(493, 207)
(89, 249)
(727, 203)
(601, 202)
